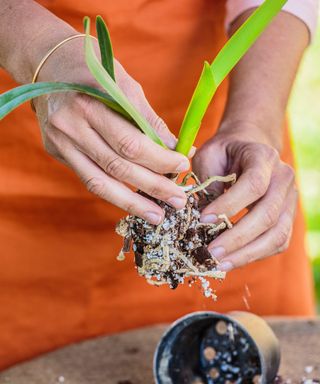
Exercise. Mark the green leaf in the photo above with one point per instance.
(224, 62)
(105, 80)
(199, 103)
(105, 46)
(17, 96)
(243, 39)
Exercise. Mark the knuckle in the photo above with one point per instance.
(131, 209)
(249, 151)
(271, 216)
(84, 104)
(284, 247)
(227, 207)
(130, 86)
(56, 119)
(243, 260)
(58, 123)
(137, 86)
(96, 186)
(253, 257)
(159, 125)
(289, 172)
(239, 240)
(257, 184)
(133, 84)
(270, 154)
(155, 191)
(117, 168)
(130, 147)
(283, 238)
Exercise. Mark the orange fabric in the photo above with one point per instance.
(60, 281)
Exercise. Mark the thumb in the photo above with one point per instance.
(135, 94)
(210, 160)
(162, 129)
(158, 124)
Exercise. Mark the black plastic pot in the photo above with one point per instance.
(208, 347)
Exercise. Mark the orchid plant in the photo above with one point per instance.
(114, 98)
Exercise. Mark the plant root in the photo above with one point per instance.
(176, 249)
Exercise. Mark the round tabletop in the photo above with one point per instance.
(126, 358)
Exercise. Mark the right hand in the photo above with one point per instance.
(105, 150)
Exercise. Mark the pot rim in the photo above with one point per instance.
(201, 315)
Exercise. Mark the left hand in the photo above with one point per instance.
(265, 186)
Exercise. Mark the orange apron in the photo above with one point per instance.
(60, 281)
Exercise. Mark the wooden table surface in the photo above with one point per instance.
(126, 358)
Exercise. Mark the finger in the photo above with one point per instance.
(262, 217)
(136, 95)
(92, 144)
(272, 242)
(209, 161)
(134, 92)
(251, 185)
(128, 141)
(159, 125)
(110, 189)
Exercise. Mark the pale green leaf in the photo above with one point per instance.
(104, 79)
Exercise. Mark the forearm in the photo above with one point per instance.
(260, 84)
(27, 32)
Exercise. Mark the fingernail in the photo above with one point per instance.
(211, 218)
(153, 218)
(177, 202)
(192, 152)
(183, 166)
(226, 266)
(218, 253)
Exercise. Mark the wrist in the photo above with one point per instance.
(67, 63)
(267, 132)
(57, 54)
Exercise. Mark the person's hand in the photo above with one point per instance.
(265, 186)
(105, 150)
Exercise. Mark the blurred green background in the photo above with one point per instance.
(304, 111)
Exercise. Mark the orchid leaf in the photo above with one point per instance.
(200, 101)
(244, 38)
(17, 96)
(106, 81)
(105, 46)
(227, 58)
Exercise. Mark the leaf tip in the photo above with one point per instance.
(86, 23)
